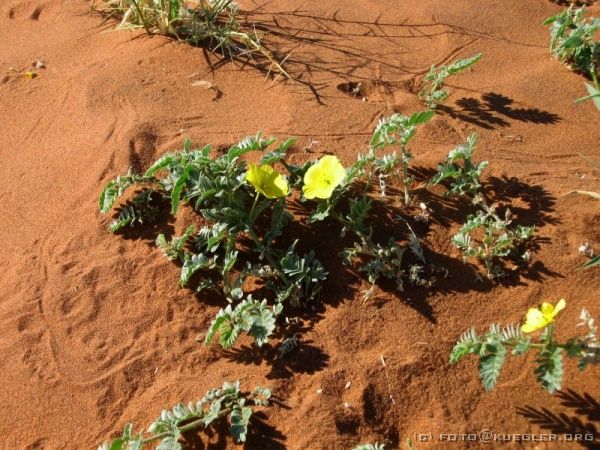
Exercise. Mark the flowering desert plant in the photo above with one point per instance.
(341, 195)
(234, 201)
(219, 403)
(244, 214)
(493, 347)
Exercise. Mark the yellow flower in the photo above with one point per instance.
(323, 177)
(267, 181)
(542, 317)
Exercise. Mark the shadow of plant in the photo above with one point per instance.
(529, 205)
(305, 358)
(581, 418)
(493, 110)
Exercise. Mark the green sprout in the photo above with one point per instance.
(433, 92)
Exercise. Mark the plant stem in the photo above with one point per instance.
(405, 179)
(184, 428)
(273, 263)
(142, 17)
(256, 197)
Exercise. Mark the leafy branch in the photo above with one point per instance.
(433, 92)
(219, 403)
(493, 347)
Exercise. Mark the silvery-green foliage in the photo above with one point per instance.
(397, 129)
(573, 39)
(380, 260)
(251, 316)
(219, 403)
(493, 348)
(375, 446)
(489, 238)
(433, 92)
(593, 93)
(174, 249)
(590, 349)
(458, 168)
(216, 188)
(138, 211)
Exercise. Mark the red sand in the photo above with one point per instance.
(95, 332)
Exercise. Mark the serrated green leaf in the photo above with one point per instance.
(240, 418)
(550, 369)
(490, 365)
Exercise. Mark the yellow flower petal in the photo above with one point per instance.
(562, 304)
(533, 321)
(542, 317)
(321, 179)
(267, 181)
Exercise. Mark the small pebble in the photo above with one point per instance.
(347, 405)
(348, 384)
(319, 391)
(39, 64)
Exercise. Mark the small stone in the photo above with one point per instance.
(39, 64)
(319, 391)
(348, 384)
(347, 405)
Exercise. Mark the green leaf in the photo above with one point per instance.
(490, 365)
(522, 346)
(249, 144)
(462, 64)
(169, 443)
(174, 249)
(595, 261)
(163, 162)
(594, 92)
(466, 344)
(240, 418)
(178, 188)
(114, 189)
(550, 368)
(279, 154)
(191, 265)
(217, 323)
(420, 118)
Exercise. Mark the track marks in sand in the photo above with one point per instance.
(25, 11)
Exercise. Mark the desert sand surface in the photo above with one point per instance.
(94, 331)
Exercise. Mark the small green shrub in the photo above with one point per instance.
(397, 130)
(232, 210)
(485, 236)
(219, 403)
(213, 23)
(433, 92)
(245, 214)
(494, 347)
(572, 39)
